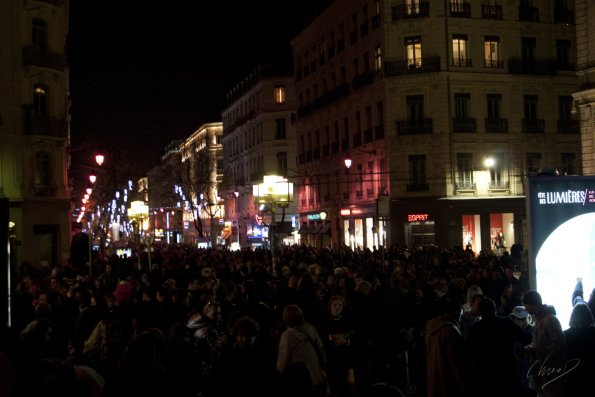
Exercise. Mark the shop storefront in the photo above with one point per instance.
(479, 224)
(360, 228)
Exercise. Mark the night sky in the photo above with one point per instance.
(144, 73)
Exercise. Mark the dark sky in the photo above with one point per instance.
(143, 73)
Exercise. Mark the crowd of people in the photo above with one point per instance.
(320, 322)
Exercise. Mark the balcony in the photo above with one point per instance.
(568, 126)
(330, 97)
(375, 21)
(460, 10)
(418, 187)
(465, 186)
(379, 131)
(491, 11)
(368, 135)
(497, 126)
(462, 62)
(493, 63)
(414, 127)
(41, 124)
(530, 14)
(563, 16)
(407, 11)
(357, 139)
(465, 125)
(363, 79)
(404, 66)
(499, 185)
(533, 126)
(518, 65)
(43, 58)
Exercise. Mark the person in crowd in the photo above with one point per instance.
(471, 316)
(577, 296)
(490, 348)
(300, 343)
(524, 321)
(536, 308)
(250, 362)
(548, 357)
(445, 351)
(580, 350)
(339, 339)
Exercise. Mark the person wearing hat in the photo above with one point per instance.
(521, 317)
(490, 346)
(535, 306)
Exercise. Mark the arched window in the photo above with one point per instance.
(40, 99)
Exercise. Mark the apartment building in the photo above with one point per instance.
(258, 140)
(34, 133)
(200, 174)
(585, 98)
(444, 109)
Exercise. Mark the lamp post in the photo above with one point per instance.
(275, 191)
(138, 212)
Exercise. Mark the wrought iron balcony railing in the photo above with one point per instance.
(414, 127)
(496, 125)
(568, 126)
(519, 65)
(404, 66)
(491, 11)
(465, 186)
(41, 124)
(464, 125)
(460, 9)
(533, 126)
(43, 58)
(462, 62)
(406, 11)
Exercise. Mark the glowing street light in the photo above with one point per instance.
(348, 161)
(89, 190)
(99, 159)
(92, 178)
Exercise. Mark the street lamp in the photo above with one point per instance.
(99, 159)
(276, 191)
(348, 161)
(92, 178)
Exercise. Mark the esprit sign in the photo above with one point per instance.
(417, 217)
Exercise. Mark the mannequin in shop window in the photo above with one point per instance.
(500, 242)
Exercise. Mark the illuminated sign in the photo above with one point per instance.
(319, 216)
(561, 215)
(417, 217)
(346, 212)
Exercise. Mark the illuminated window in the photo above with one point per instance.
(377, 58)
(413, 47)
(40, 99)
(460, 50)
(280, 95)
(492, 52)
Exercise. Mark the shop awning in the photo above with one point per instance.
(304, 229)
(326, 228)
